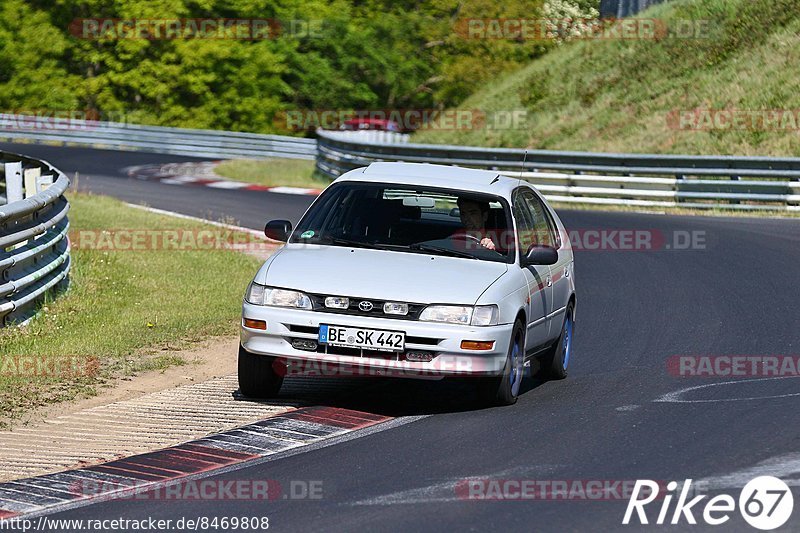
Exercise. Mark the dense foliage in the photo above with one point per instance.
(342, 54)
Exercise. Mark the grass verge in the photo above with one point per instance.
(273, 172)
(125, 311)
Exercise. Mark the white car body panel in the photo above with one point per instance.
(539, 293)
(379, 274)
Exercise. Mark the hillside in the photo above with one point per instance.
(621, 95)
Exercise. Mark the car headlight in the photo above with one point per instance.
(260, 295)
(485, 315)
(481, 315)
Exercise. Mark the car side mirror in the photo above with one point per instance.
(278, 230)
(540, 255)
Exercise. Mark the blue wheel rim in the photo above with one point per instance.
(567, 340)
(515, 376)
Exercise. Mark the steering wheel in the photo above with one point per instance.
(465, 236)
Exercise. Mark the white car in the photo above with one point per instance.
(414, 270)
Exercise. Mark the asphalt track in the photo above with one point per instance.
(736, 295)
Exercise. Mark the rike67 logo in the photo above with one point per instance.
(765, 503)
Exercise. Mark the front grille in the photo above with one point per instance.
(374, 354)
(422, 340)
(356, 352)
(318, 302)
(303, 329)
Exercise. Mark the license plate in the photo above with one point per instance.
(371, 339)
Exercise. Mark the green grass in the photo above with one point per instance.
(127, 310)
(614, 95)
(273, 172)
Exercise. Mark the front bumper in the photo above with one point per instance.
(441, 341)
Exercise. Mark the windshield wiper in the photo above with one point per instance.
(338, 241)
(441, 250)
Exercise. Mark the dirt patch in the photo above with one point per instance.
(154, 410)
(210, 359)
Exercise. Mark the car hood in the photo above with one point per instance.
(380, 274)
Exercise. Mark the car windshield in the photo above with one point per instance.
(410, 219)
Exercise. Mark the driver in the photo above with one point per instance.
(474, 214)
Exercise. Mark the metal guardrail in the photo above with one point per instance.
(743, 183)
(213, 144)
(704, 182)
(369, 136)
(624, 8)
(34, 247)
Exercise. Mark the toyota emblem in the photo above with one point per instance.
(365, 306)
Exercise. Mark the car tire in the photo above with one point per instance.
(555, 363)
(504, 389)
(257, 376)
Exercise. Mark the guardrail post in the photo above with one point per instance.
(44, 182)
(735, 178)
(13, 182)
(31, 181)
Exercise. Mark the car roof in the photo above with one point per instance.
(444, 176)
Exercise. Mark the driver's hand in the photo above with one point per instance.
(487, 243)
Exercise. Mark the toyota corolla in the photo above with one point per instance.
(415, 270)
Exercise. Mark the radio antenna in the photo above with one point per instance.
(524, 160)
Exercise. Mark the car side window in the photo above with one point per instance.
(543, 232)
(525, 228)
(553, 228)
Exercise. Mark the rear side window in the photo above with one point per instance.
(543, 227)
(525, 226)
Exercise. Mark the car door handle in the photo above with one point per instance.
(549, 281)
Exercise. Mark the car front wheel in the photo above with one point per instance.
(504, 390)
(257, 376)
